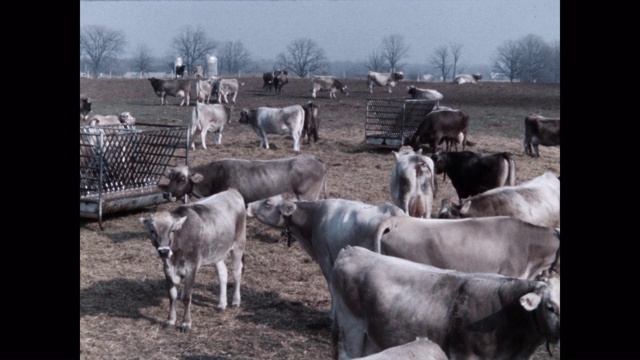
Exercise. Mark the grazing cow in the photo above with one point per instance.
(268, 77)
(429, 94)
(323, 227)
(472, 173)
(204, 87)
(198, 71)
(499, 244)
(224, 87)
(536, 201)
(311, 122)
(268, 120)
(206, 118)
(419, 349)
(383, 301)
(327, 83)
(124, 118)
(172, 87)
(467, 78)
(85, 107)
(279, 81)
(200, 234)
(441, 124)
(383, 79)
(539, 130)
(413, 183)
(180, 71)
(303, 175)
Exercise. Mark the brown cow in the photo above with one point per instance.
(539, 130)
(441, 124)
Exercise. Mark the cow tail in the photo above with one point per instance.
(194, 119)
(315, 124)
(382, 229)
(511, 170)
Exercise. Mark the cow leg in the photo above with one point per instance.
(222, 279)
(189, 279)
(263, 142)
(234, 97)
(219, 141)
(237, 255)
(173, 297)
(313, 93)
(389, 87)
(296, 140)
(203, 136)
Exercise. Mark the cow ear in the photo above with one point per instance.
(530, 301)
(196, 178)
(287, 208)
(177, 225)
(419, 151)
(465, 207)
(396, 154)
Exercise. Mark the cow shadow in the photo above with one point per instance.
(204, 357)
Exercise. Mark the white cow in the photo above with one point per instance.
(383, 79)
(467, 78)
(412, 182)
(327, 83)
(268, 120)
(536, 201)
(429, 94)
(124, 118)
(206, 118)
(225, 87)
(323, 227)
(419, 349)
(204, 87)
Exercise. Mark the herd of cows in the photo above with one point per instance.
(478, 280)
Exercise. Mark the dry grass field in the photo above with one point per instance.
(285, 301)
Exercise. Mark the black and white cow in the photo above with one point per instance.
(539, 130)
(384, 301)
(327, 83)
(199, 234)
(85, 107)
(268, 77)
(172, 87)
(383, 79)
(208, 117)
(267, 120)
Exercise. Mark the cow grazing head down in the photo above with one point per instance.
(181, 181)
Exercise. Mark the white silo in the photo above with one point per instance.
(212, 66)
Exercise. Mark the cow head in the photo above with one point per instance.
(449, 210)
(181, 180)
(477, 76)
(161, 227)
(274, 210)
(399, 75)
(126, 118)
(244, 116)
(544, 301)
(440, 161)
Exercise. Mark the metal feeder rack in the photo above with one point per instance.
(389, 123)
(121, 166)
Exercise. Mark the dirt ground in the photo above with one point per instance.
(285, 299)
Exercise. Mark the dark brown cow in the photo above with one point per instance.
(472, 173)
(280, 81)
(180, 71)
(311, 122)
(539, 130)
(85, 107)
(172, 87)
(268, 77)
(441, 124)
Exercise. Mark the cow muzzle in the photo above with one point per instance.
(167, 196)
(164, 252)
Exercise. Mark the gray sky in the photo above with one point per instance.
(346, 30)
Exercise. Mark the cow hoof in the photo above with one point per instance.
(168, 323)
(185, 327)
(221, 307)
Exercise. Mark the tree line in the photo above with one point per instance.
(529, 59)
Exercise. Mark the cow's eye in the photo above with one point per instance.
(551, 309)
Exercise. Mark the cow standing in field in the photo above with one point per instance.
(383, 301)
(413, 183)
(467, 78)
(205, 118)
(268, 78)
(204, 88)
(172, 87)
(198, 71)
(439, 125)
(323, 227)
(267, 120)
(303, 175)
(225, 87)
(199, 234)
(124, 118)
(472, 173)
(383, 79)
(279, 81)
(536, 201)
(327, 83)
(311, 122)
(85, 107)
(539, 130)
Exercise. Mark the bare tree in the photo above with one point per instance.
(101, 45)
(456, 52)
(142, 59)
(394, 50)
(555, 61)
(193, 45)
(233, 57)
(508, 59)
(304, 56)
(535, 58)
(375, 61)
(440, 61)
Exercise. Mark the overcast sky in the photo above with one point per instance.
(346, 30)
